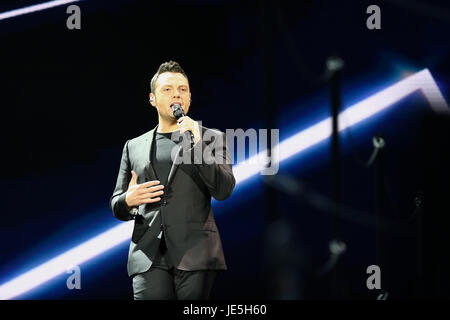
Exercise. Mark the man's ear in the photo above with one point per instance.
(152, 99)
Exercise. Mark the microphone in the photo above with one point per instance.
(178, 113)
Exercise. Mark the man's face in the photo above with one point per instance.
(171, 87)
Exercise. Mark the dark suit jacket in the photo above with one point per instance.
(184, 212)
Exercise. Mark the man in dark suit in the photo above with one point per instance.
(165, 184)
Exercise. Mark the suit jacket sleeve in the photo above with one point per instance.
(215, 170)
(117, 202)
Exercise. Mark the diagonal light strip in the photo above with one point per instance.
(291, 146)
(352, 115)
(61, 263)
(34, 8)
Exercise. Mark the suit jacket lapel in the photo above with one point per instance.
(147, 152)
(175, 166)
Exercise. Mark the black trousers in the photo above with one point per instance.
(165, 282)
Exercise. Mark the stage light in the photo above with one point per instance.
(289, 147)
(34, 8)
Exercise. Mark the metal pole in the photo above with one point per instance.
(334, 67)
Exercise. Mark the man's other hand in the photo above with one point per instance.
(147, 192)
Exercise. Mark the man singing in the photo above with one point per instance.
(175, 250)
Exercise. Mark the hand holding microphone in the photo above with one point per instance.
(186, 124)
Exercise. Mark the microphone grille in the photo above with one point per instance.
(177, 111)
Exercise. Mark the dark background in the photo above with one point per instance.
(71, 98)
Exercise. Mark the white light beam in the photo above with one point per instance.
(354, 114)
(34, 8)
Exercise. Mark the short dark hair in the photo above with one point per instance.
(170, 66)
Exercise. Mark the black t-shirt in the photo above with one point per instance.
(162, 162)
(161, 155)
